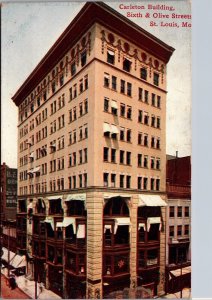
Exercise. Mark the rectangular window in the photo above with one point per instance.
(171, 231)
(121, 181)
(140, 94)
(179, 211)
(106, 80)
(152, 184)
(128, 158)
(73, 68)
(143, 73)
(152, 162)
(157, 184)
(158, 101)
(105, 179)
(145, 183)
(127, 65)
(110, 57)
(121, 157)
(105, 154)
(153, 99)
(128, 135)
(139, 160)
(122, 87)
(85, 155)
(146, 119)
(113, 155)
(179, 230)
(128, 182)
(158, 122)
(122, 130)
(129, 89)
(156, 79)
(122, 110)
(139, 138)
(129, 112)
(146, 96)
(146, 140)
(171, 211)
(114, 84)
(145, 161)
(113, 180)
(83, 58)
(140, 116)
(153, 121)
(139, 182)
(106, 104)
(80, 180)
(186, 229)
(186, 211)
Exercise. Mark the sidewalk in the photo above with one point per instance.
(28, 287)
(186, 294)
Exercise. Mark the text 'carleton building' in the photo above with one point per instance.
(91, 160)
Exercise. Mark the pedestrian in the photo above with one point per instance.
(12, 282)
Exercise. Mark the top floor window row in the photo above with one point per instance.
(127, 66)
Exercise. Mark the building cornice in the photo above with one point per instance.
(92, 12)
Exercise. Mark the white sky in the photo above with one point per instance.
(29, 30)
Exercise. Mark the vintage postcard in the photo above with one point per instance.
(96, 150)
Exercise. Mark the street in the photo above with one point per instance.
(7, 293)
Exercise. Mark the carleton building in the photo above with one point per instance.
(91, 159)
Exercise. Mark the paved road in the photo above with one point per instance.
(7, 293)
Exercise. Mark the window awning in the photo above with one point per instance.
(32, 155)
(179, 272)
(36, 170)
(50, 221)
(59, 224)
(114, 104)
(52, 145)
(142, 225)
(153, 220)
(151, 200)
(5, 254)
(18, 261)
(114, 129)
(29, 205)
(121, 222)
(30, 171)
(112, 195)
(107, 226)
(80, 197)
(55, 197)
(107, 76)
(81, 231)
(70, 221)
(110, 52)
(29, 141)
(106, 127)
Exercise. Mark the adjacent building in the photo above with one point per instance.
(178, 250)
(92, 159)
(8, 192)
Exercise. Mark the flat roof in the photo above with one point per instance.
(92, 12)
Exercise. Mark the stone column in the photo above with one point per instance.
(94, 204)
(161, 285)
(133, 204)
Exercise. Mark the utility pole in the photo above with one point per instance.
(8, 247)
(36, 278)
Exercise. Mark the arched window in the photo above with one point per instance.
(116, 207)
(76, 208)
